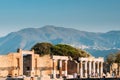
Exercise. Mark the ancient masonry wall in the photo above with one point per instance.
(5, 64)
(11, 64)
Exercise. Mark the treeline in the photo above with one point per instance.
(59, 49)
(113, 58)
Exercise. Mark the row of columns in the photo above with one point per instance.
(87, 67)
(95, 68)
(60, 68)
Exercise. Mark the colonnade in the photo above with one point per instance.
(90, 67)
(86, 67)
(60, 59)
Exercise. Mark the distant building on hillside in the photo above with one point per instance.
(29, 64)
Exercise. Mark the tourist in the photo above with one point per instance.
(92, 74)
(78, 76)
(75, 75)
(9, 77)
(113, 74)
(103, 78)
(16, 77)
(31, 78)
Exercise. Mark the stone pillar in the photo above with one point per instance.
(60, 68)
(36, 66)
(90, 68)
(21, 62)
(33, 65)
(97, 68)
(119, 69)
(94, 68)
(54, 68)
(101, 69)
(86, 69)
(77, 68)
(81, 69)
(110, 69)
(66, 68)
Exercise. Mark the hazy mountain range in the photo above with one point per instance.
(98, 44)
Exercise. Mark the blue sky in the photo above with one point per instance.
(85, 15)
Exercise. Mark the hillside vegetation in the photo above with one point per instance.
(113, 58)
(59, 49)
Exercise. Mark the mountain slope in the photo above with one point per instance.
(28, 37)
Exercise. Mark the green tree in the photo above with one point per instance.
(114, 57)
(67, 50)
(117, 57)
(42, 48)
(111, 58)
(59, 49)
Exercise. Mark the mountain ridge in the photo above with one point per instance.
(28, 37)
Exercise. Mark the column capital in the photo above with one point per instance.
(60, 59)
(54, 60)
(65, 61)
(81, 62)
(86, 61)
(94, 61)
(98, 62)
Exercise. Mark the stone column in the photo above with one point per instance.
(97, 68)
(81, 69)
(60, 68)
(111, 69)
(86, 69)
(54, 68)
(90, 68)
(94, 68)
(66, 68)
(33, 65)
(77, 68)
(101, 69)
(119, 69)
(21, 62)
(18, 65)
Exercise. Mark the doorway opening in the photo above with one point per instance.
(27, 64)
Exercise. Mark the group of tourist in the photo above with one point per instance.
(75, 75)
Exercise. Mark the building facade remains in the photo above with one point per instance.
(29, 64)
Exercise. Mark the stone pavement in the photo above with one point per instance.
(2, 78)
(28, 78)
